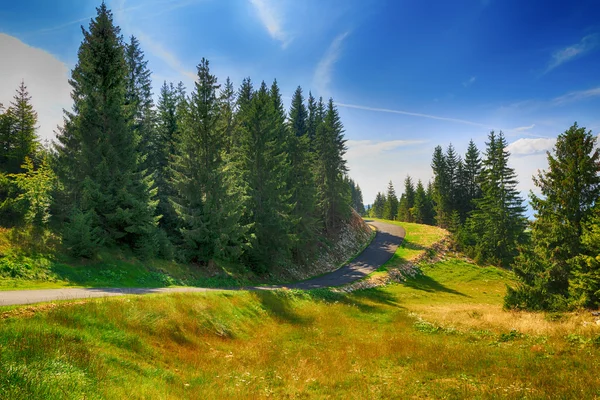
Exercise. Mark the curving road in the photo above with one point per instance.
(381, 249)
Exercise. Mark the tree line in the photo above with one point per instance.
(556, 256)
(216, 174)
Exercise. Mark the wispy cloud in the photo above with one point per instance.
(523, 128)
(154, 47)
(121, 7)
(525, 146)
(271, 17)
(414, 114)
(322, 75)
(158, 50)
(576, 96)
(469, 81)
(585, 45)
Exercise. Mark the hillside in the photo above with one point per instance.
(440, 334)
(25, 265)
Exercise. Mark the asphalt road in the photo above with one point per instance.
(381, 249)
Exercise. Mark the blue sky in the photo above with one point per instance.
(407, 75)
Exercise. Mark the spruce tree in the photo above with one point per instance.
(138, 100)
(99, 162)
(331, 168)
(228, 121)
(301, 183)
(378, 206)
(264, 166)
(441, 188)
(453, 164)
(570, 188)
(419, 209)
(161, 151)
(584, 285)
(312, 121)
(472, 169)
(430, 215)
(206, 200)
(407, 201)
(18, 132)
(356, 197)
(390, 209)
(497, 224)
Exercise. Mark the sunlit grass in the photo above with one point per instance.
(440, 335)
(288, 343)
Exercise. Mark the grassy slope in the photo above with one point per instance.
(23, 268)
(440, 335)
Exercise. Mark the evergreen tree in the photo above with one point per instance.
(472, 169)
(356, 197)
(264, 167)
(301, 182)
(228, 100)
(419, 209)
(430, 215)
(331, 168)
(98, 155)
(205, 201)
(378, 206)
(138, 99)
(585, 282)
(498, 223)
(407, 201)
(18, 132)
(453, 166)
(312, 121)
(163, 147)
(390, 209)
(570, 188)
(441, 188)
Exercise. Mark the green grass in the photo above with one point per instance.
(440, 335)
(28, 266)
(40, 271)
(283, 344)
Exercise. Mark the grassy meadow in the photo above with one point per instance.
(440, 335)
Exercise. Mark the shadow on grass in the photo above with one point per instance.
(358, 298)
(430, 285)
(280, 306)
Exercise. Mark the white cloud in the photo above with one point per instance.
(271, 17)
(524, 128)
(469, 81)
(527, 146)
(413, 114)
(322, 76)
(576, 96)
(45, 76)
(585, 45)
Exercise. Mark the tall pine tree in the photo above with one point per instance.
(98, 153)
(497, 224)
(331, 168)
(138, 99)
(264, 166)
(390, 210)
(206, 200)
(18, 132)
(301, 182)
(570, 188)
